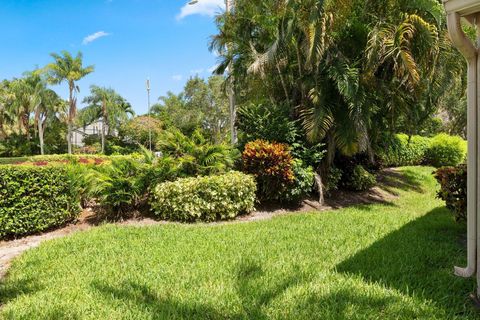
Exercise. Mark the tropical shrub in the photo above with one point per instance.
(204, 198)
(303, 184)
(360, 179)
(453, 189)
(332, 181)
(272, 166)
(402, 150)
(119, 186)
(446, 150)
(273, 123)
(195, 155)
(266, 122)
(36, 198)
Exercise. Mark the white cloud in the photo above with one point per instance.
(202, 7)
(177, 77)
(94, 36)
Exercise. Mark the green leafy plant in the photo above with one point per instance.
(303, 184)
(204, 198)
(360, 179)
(402, 150)
(119, 186)
(453, 189)
(36, 198)
(272, 166)
(332, 181)
(446, 150)
(196, 156)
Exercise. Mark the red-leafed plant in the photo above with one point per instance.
(272, 165)
(453, 189)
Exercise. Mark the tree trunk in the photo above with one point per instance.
(319, 186)
(40, 136)
(104, 120)
(70, 118)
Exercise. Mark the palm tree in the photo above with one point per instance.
(108, 105)
(49, 105)
(6, 115)
(70, 69)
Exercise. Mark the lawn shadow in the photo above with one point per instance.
(389, 182)
(10, 290)
(417, 260)
(252, 291)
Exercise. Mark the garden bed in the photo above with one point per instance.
(363, 262)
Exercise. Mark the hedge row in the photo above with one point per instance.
(441, 150)
(57, 158)
(205, 198)
(34, 199)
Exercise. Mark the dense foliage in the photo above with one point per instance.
(272, 166)
(453, 189)
(205, 198)
(446, 150)
(402, 150)
(195, 154)
(359, 179)
(440, 150)
(349, 71)
(119, 186)
(34, 199)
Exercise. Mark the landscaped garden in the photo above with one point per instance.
(394, 262)
(319, 173)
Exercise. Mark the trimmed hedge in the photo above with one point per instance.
(399, 150)
(441, 150)
(205, 198)
(34, 199)
(446, 150)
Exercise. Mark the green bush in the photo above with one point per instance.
(360, 180)
(446, 150)
(332, 182)
(401, 150)
(205, 198)
(34, 199)
(303, 184)
(120, 185)
(453, 189)
(196, 155)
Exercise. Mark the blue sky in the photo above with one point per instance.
(126, 40)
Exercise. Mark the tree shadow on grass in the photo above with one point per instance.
(417, 260)
(10, 290)
(254, 294)
(390, 181)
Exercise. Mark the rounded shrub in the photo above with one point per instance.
(446, 150)
(208, 198)
(360, 179)
(36, 198)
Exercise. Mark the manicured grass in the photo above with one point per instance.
(382, 261)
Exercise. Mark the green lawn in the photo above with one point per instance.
(382, 261)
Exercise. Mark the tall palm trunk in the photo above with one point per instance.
(104, 115)
(40, 136)
(70, 117)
